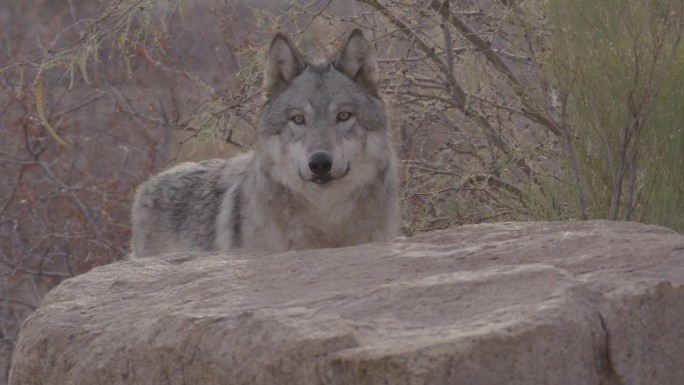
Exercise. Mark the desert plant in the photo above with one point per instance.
(620, 64)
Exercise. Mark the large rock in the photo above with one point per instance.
(507, 303)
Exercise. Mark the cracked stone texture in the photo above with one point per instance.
(507, 303)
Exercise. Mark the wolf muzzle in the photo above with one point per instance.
(320, 164)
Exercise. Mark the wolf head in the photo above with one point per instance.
(323, 123)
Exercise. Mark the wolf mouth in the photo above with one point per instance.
(323, 180)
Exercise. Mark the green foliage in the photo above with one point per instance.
(620, 62)
(664, 156)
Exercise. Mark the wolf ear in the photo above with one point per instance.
(357, 60)
(283, 63)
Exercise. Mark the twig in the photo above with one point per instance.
(459, 97)
(77, 201)
(485, 48)
(18, 302)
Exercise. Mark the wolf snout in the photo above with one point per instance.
(320, 163)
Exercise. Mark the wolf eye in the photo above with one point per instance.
(343, 116)
(298, 119)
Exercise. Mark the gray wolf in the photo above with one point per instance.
(323, 172)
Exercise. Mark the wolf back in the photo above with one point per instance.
(323, 172)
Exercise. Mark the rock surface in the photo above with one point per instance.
(508, 303)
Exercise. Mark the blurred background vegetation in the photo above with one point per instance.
(502, 110)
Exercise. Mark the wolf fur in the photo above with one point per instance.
(323, 173)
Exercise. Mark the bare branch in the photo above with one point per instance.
(485, 48)
(456, 92)
(18, 302)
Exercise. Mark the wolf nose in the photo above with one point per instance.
(320, 163)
